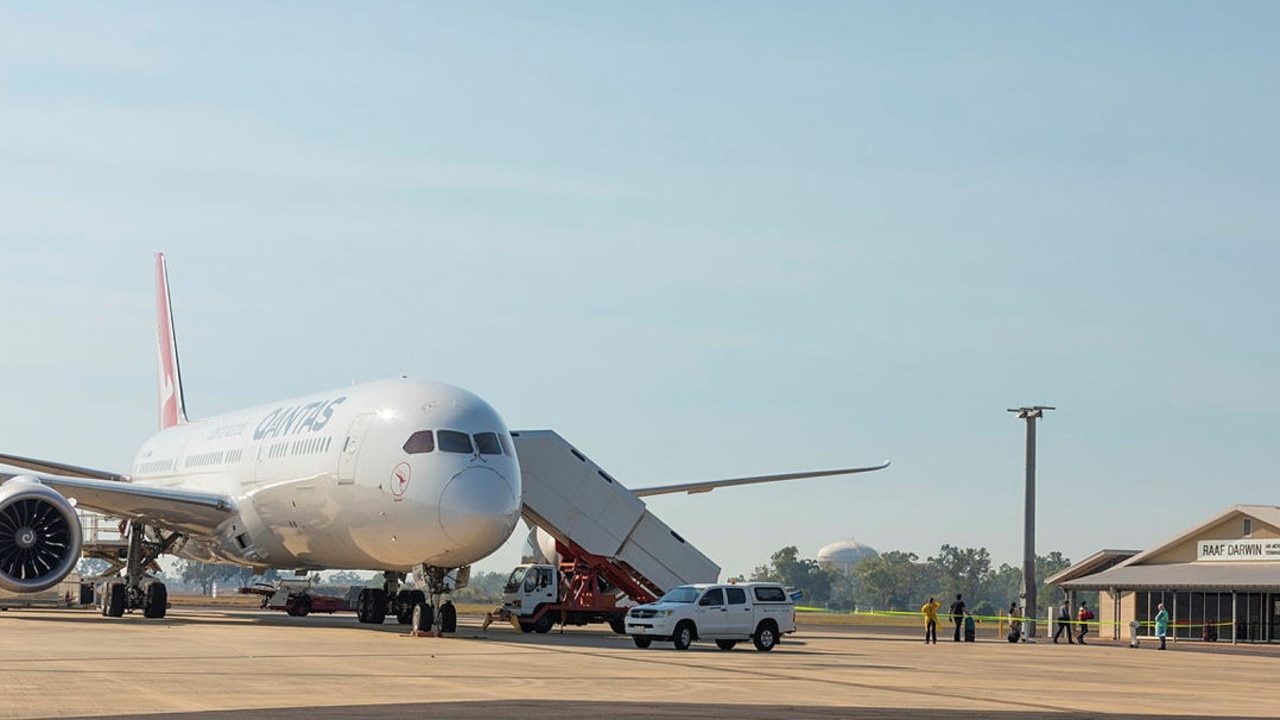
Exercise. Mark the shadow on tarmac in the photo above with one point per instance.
(560, 710)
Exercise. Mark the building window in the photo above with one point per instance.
(1248, 527)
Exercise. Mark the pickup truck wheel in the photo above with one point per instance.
(642, 642)
(683, 636)
(766, 636)
(544, 623)
(726, 644)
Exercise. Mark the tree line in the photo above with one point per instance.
(893, 580)
(899, 580)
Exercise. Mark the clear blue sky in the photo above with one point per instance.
(699, 240)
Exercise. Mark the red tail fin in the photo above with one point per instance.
(173, 410)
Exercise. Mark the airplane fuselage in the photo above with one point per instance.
(381, 476)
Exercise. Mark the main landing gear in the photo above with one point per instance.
(411, 607)
(137, 591)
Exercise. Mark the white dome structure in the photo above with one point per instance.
(844, 555)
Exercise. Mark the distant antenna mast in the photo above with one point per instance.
(1030, 414)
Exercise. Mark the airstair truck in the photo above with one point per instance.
(614, 552)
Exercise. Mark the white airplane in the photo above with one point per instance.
(397, 476)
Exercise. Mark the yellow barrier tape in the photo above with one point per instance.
(1000, 618)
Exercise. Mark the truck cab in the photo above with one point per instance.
(538, 596)
(726, 613)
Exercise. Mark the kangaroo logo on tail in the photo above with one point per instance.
(173, 410)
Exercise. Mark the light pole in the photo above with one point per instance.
(1030, 414)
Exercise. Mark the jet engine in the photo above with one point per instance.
(39, 536)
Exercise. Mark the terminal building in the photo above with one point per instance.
(1219, 580)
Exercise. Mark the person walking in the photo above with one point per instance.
(1084, 616)
(1162, 624)
(1015, 622)
(930, 610)
(957, 614)
(1064, 622)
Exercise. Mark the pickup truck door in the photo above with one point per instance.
(739, 614)
(711, 613)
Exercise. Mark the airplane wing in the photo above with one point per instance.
(187, 511)
(709, 485)
(48, 466)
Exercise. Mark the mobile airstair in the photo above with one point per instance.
(595, 519)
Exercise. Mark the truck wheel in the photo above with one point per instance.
(642, 642)
(618, 624)
(684, 635)
(726, 644)
(766, 637)
(301, 607)
(526, 627)
(544, 623)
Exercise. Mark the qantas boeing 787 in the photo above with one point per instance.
(397, 476)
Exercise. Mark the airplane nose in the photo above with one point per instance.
(478, 509)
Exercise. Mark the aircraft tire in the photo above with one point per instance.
(423, 617)
(113, 597)
(371, 606)
(156, 602)
(362, 606)
(378, 606)
(407, 602)
(448, 618)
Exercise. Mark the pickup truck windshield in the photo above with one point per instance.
(682, 594)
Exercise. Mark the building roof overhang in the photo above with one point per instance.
(1202, 576)
(1097, 562)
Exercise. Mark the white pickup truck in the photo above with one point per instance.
(724, 612)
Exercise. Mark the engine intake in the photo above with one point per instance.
(39, 536)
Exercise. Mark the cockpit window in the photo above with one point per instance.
(487, 443)
(455, 442)
(506, 445)
(420, 442)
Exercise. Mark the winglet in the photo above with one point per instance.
(709, 485)
(173, 408)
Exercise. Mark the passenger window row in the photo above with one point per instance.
(454, 441)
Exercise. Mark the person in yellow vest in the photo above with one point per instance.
(930, 612)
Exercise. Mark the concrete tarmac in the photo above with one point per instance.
(207, 664)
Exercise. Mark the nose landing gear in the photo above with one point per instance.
(411, 607)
